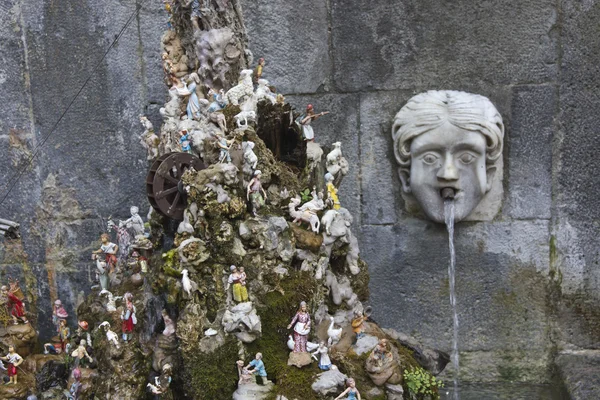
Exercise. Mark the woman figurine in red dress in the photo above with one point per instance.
(128, 317)
(301, 324)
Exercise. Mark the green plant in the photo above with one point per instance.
(422, 384)
(305, 195)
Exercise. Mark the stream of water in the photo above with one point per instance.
(449, 218)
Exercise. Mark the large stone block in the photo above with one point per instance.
(294, 40)
(501, 288)
(576, 177)
(341, 125)
(397, 45)
(529, 148)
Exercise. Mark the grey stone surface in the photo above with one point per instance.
(529, 192)
(576, 199)
(294, 40)
(397, 45)
(501, 288)
(579, 372)
(92, 165)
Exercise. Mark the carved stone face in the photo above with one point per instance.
(448, 140)
(448, 157)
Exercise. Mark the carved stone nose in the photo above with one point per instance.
(448, 172)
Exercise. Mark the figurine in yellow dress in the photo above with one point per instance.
(332, 192)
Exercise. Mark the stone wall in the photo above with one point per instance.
(528, 281)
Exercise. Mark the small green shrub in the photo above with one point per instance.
(421, 384)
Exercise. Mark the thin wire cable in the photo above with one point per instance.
(44, 139)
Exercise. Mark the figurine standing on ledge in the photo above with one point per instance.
(301, 324)
(258, 369)
(14, 360)
(240, 293)
(358, 324)
(351, 391)
(255, 193)
(128, 317)
(224, 145)
(14, 306)
(102, 273)
(332, 192)
(306, 119)
(58, 313)
(64, 333)
(110, 251)
(324, 361)
(257, 73)
(184, 141)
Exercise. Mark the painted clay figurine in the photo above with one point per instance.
(258, 369)
(255, 192)
(305, 121)
(109, 249)
(128, 317)
(75, 389)
(80, 354)
(14, 360)
(64, 333)
(301, 325)
(245, 377)
(258, 70)
(324, 361)
(102, 273)
(240, 293)
(332, 196)
(58, 313)
(219, 101)
(135, 223)
(110, 335)
(82, 332)
(380, 353)
(184, 141)
(14, 306)
(149, 140)
(351, 391)
(224, 146)
(358, 324)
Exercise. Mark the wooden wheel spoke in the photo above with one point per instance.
(169, 178)
(175, 201)
(165, 193)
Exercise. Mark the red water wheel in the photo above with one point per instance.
(163, 183)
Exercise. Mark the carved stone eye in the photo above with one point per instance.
(467, 158)
(429, 159)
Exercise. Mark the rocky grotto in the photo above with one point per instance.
(262, 226)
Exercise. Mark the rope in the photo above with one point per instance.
(14, 179)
